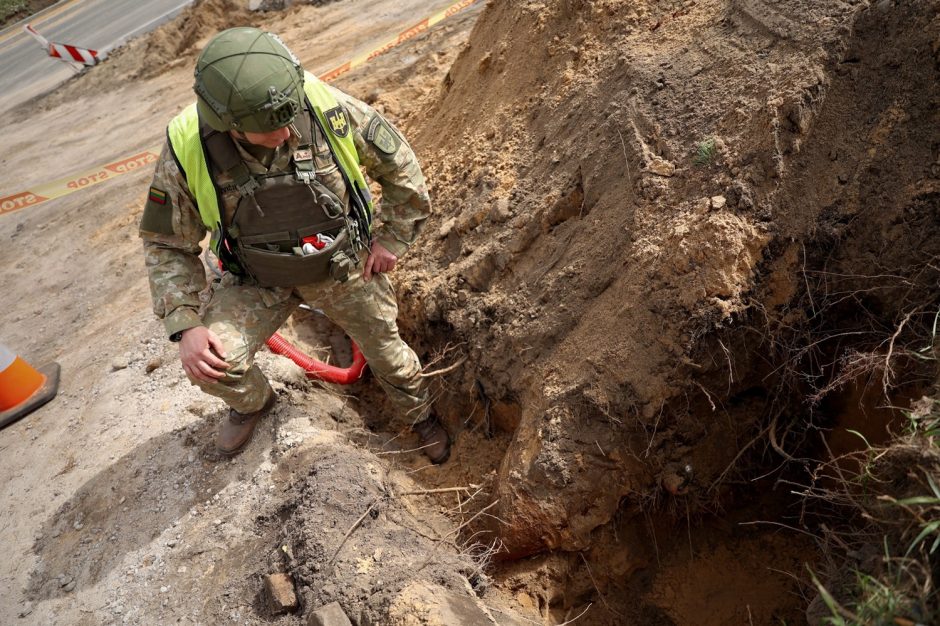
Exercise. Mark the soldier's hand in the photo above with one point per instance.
(201, 352)
(380, 260)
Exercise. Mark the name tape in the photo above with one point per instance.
(81, 180)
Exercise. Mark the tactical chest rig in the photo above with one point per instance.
(277, 211)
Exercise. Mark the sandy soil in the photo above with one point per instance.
(118, 511)
(673, 225)
(673, 242)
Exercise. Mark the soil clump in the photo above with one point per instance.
(674, 225)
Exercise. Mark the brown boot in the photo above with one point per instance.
(435, 442)
(236, 431)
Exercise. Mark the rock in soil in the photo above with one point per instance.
(330, 615)
(661, 167)
(279, 593)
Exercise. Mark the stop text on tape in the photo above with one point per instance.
(19, 201)
(80, 180)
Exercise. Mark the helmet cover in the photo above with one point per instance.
(247, 80)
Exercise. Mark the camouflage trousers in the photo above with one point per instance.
(244, 316)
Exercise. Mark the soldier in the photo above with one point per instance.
(268, 160)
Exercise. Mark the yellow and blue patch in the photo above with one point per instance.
(339, 123)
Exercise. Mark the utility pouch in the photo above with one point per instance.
(342, 265)
(272, 268)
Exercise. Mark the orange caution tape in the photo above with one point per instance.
(81, 180)
(65, 186)
(403, 36)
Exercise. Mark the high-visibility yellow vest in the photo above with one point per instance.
(183, 134)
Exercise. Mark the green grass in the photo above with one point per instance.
(896, 495)
(875, 603)
(879, 603)
(9, 7)
(705, 152)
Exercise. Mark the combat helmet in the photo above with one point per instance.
(247, 80)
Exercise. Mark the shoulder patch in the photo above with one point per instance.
(382, 136)
(158, 213)
(339, 123)
(157, 196)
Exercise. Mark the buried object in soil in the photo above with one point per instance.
(435, 442)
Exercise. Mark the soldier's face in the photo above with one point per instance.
(272, 139)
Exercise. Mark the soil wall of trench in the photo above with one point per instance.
(662, 229)
(668, 234)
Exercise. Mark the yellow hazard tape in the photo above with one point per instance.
(65, 186)
(95, 176)
(400, 38)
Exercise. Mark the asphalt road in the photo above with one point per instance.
(26, 70)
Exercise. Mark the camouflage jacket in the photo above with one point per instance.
(176, 272)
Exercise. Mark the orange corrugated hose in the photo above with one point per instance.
(318, 369)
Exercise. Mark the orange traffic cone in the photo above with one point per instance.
(22, 388)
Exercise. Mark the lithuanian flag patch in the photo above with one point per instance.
(158, 213)
(157, 196)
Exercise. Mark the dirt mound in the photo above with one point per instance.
(639, 207)
(620, 248)
(675, 240)
(399, 561)
(173, 44)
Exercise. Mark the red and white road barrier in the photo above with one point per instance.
(74, 53)
(67, 52)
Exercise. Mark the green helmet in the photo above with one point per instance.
(247, 80)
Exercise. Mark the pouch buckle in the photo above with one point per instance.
(248, 188)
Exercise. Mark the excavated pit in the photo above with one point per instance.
(677, 235)
(682, 251)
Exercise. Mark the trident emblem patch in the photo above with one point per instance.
(338, 122)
